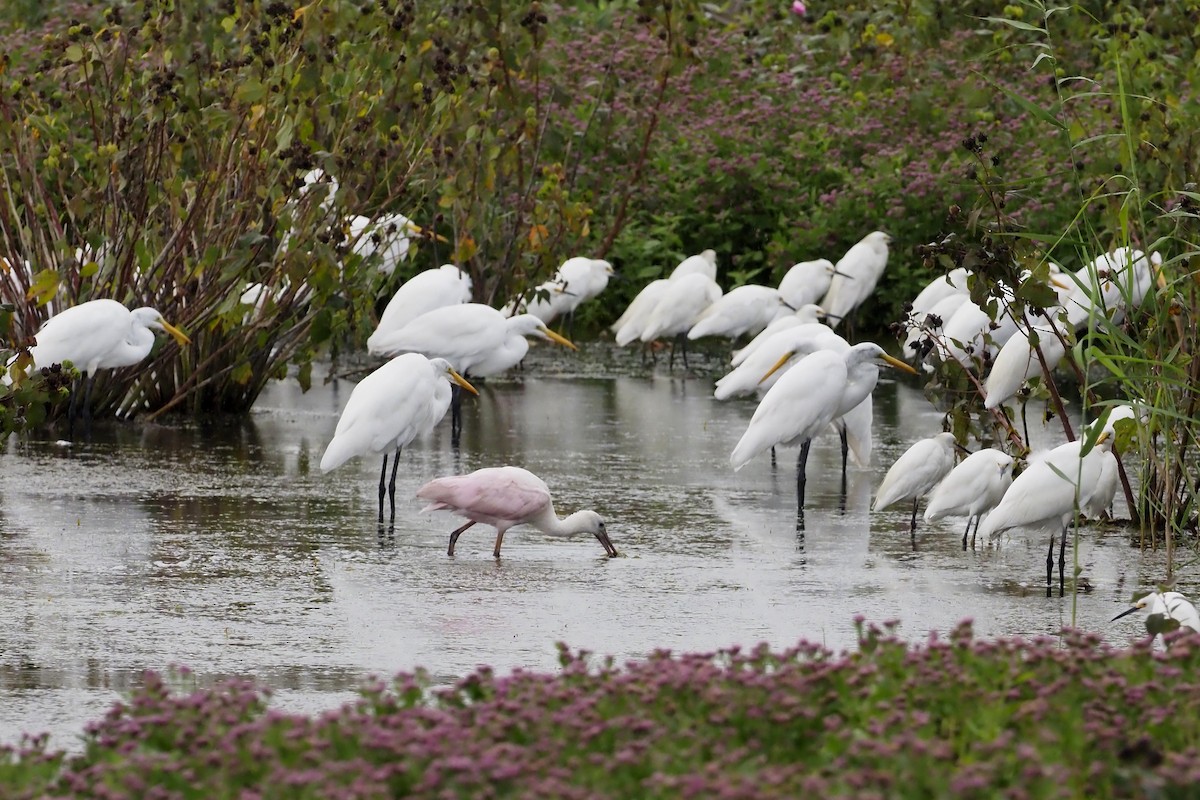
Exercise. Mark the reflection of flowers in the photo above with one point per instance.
(798, 8)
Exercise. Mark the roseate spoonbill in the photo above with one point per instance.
(505, 497)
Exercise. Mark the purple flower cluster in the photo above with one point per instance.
(953, 717)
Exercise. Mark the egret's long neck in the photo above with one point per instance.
(548, 522)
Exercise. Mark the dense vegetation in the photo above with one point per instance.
(953, 717)
(156, 149)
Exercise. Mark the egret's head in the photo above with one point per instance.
(154, 320)
(529, 325)
(413, 229)
(871, 352)
(443, 367)
(1138, 605)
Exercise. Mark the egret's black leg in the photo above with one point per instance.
(454, 537)
(1050, 568)
(1062, 562)
(73, 408)
(382, 487)
(845, 453)
(772, 458)
(968, 530)
(455, 414)
(912, 523)
(87, 406)
(683, 348)
(978, 518)
(801, 477)
(1024, 420)
(392, 486)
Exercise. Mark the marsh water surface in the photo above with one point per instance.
(219, 545)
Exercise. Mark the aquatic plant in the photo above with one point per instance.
(950, 717)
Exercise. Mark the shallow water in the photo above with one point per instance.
(220, 545)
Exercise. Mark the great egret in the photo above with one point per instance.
(803, 315)
(1017, 362)
(1101, 499)
(915, 473)
(678, 309)
(96, 335)
(818, 389)
(629, 325)
(403, 399)
(929, 327)
(505, 497)
(434, 288)
(973, 488)
(1168, 611)
(703, 263)
(1046, 495)
(1111, 283)
(938, 289)
(476, 339)
(806, 282)
(386, 238)
(786, 348)
(576, 281)
(743, 310)
(858, 272)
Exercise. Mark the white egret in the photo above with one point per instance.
(973, 488)
(1017, 362)
(505, 497)
(434, 288)
(576, 281)
(1101, 499)
(931, 325)
(704, 263)
(952, 283)
(1111, 283)
(818, 389)
(775, 355)
(1046, 495)
(681, 304)
(96, 335)
(745, 309)
(915, 473)
(403, 399)
(1168, 611)
(806, 282)
(790, 343)
(858, 272)
(629, 325)
(387, 238)
(476, 339)
(803, 315)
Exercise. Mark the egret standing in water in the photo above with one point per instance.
(856, 275)
(505, 497)
(476, 339)
(96, 335)
(915, 473)
(1047, 495)
(818, 389)
(972, 488)
(403, 399)
(434, 288)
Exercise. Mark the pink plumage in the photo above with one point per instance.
(497, 496)
(505, 497)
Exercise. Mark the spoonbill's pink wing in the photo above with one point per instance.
(488, 495)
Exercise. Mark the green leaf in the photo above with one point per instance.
(74, 53)
(250, 92)
(1028, 105)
